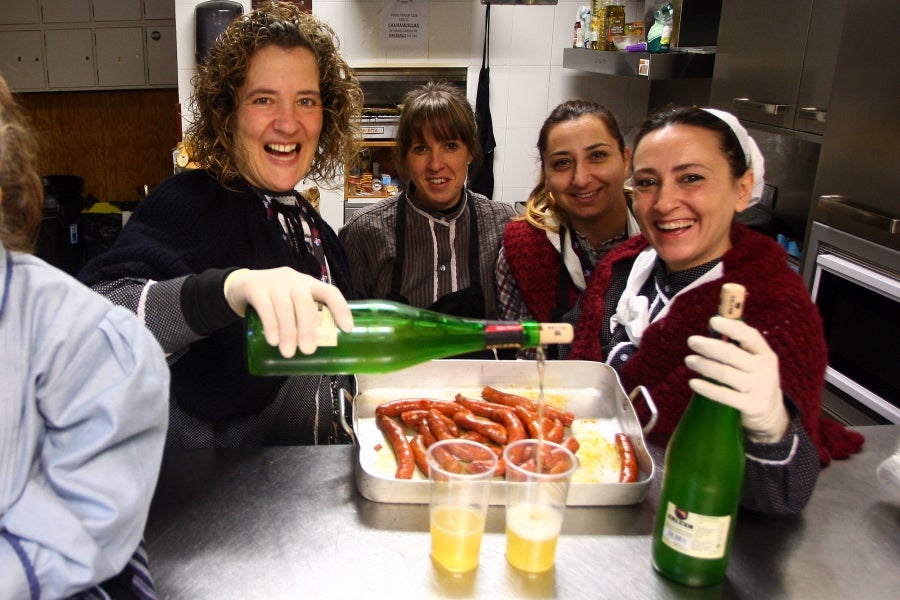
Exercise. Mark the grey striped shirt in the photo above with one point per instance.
(437, 249)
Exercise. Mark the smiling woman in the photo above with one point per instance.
(575, 214)
(279, 117)
(275, 103)
(434, 244)
(649, 302)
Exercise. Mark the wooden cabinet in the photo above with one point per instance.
(775, 61)
(70, 45)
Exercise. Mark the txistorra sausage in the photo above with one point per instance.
(393, 431)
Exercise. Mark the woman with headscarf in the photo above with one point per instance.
(648, 306)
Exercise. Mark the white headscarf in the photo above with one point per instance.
(754, 157)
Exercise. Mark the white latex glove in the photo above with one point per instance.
(750, 372)
(286, 303)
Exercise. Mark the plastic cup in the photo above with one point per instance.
(460, 473)
(537, 475)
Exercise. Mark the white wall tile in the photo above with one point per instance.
(501, 35)
(566, 84)
(528, 92)
(333, 12)
(450, 31)
(532, 35)
(520, 157)
(362, 36)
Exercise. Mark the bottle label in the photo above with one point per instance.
(502, 335)
(696, 535)
(326, 329)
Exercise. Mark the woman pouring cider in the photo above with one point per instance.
(646, 311)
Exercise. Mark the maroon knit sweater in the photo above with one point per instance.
(778, 305)
(534, 262)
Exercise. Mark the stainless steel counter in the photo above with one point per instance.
(289, 523)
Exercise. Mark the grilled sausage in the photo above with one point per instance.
(393, 431)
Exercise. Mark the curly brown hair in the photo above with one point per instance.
(445, 109)
(541, 202)
(215, 99)
(22, 191)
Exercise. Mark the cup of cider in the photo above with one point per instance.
(460, 473)
(538, 473)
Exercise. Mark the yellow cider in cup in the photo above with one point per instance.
(532, 531)
(456, 533)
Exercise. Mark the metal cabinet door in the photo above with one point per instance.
(759, 59)
(819, 64)
(120, 56)
(22, 60)
(162, 62)
(70, 58)
(159, 9)
(117, 10)
(66, 11)
(20, 11)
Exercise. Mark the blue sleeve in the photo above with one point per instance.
(95, 415)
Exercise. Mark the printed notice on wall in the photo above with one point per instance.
(404, 24)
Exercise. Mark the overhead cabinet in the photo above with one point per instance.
(22, 59)
(70, 58)
(800, 38)
(88, 44)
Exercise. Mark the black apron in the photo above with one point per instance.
(468, 302)
(483, 180)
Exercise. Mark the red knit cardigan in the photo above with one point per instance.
(778, 305)
(534, 263)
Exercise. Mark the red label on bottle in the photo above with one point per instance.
(501, 334)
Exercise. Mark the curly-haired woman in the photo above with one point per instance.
(274, 103)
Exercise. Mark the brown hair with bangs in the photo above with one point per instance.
(22, 191)
(215, 97)
(445, 110)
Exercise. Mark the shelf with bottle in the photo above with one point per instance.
(373, 175)
(673, 65)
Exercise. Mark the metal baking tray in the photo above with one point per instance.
(590, 390)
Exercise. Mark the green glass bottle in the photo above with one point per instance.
(388, 336)
(701, 485)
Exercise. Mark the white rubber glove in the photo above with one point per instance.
(286, 303)
(750, 372)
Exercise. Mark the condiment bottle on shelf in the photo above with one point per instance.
(701, 485)
(388, 336)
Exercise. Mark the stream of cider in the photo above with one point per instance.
(541, 364)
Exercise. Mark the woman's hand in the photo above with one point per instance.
(748, 374)
(286, 301)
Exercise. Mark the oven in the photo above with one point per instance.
(855, 283)
(373, 176)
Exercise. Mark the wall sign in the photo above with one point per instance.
(404, 24)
